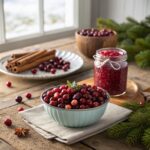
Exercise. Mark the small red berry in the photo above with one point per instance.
(28, 95)
(96, 104)
(82, 106)
(74, 102)
(8, 122)
(68, 106)
(18, 99)
(65, 97)
(9, 84)
(56, 95)
(20, 108)
(53, 103)
(34, 71)
(53, 71)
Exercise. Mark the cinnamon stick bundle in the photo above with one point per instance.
(18, 69)
(34, 57)
(26, 61)
(13, 63)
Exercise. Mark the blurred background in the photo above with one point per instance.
(36, 21)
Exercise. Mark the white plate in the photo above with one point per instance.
(76, 62)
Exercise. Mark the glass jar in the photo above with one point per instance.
(110, 70)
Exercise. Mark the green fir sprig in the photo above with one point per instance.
(136, 129)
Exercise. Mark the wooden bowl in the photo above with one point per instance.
(88, 45)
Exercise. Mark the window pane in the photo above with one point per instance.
(58, 14)
(21, 17)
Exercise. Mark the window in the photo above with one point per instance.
(28, 17)
(27, 22)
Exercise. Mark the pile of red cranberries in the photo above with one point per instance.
(96, 33)
(84, 97)
(53, 64)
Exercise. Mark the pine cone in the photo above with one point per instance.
(21, 132)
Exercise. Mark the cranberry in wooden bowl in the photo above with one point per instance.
(90, 40)
(75, 105)
(110, 70)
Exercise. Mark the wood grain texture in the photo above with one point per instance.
(5, 146)
(102, 142)
(34, 141)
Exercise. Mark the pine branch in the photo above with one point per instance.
(139, 118)
(134, 136)
(132, 106)
(146, 138)
(120, 130)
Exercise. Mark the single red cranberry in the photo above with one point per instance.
(53, 71)
(83, 90)
(82, 101)
(46, 99)
(8, 122)
(100, 98)
(61, 105)
(50, 93)
(53, 103)
(65, 68)
(64, 91)
(96, 104)
(56, 95)
(34, 71)
(65, 97)
(74, 102)
(89, 102)
(20, 108)
(62, 87)
(82, 106)
(60, 100)
(55, 90)
(95, 94)
(28, 95)
(18, 99)
(70, 91)
(68, 106)
(41, 67)
(53, 99)
(9, 84)
(77, 96)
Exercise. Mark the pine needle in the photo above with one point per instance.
(146, 138)
(134, 136)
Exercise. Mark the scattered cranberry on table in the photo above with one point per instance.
(18, 99)
(28, 95)
(52, 65)
(9, 84)
(96, 33)
(110, 70)
(8, 122)
(76, 97)
(34, 71)
(20, 108)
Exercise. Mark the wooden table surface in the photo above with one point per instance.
(9, 141)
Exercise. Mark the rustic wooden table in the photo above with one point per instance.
(9, 141)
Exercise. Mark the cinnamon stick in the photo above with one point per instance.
(13, 63)
(18, 69)
(33, 57)
(19, 55)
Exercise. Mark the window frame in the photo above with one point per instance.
(82, 9)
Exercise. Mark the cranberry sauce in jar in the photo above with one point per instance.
(110, 70)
